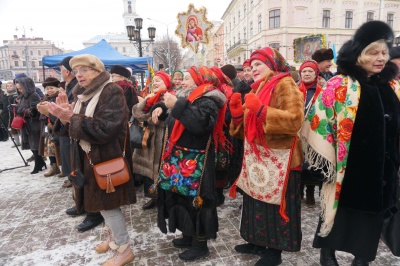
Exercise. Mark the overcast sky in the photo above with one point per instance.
(69, 23)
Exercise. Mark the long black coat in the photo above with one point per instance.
(7, 115)
(199, 119)
(106, 132)
(30, 133)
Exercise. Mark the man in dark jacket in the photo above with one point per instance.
(324, 59)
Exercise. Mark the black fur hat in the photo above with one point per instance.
(366, 34)
(51, 81)
(322, 55)
(120, 70)
(229, 71)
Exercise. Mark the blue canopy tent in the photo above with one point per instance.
(107, 54)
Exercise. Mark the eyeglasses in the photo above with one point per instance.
(82, 70)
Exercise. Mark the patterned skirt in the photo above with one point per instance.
(262, 225)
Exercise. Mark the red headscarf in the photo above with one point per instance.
(226, 83)
(246, 63)
(304, 87)
(206, 81)
(158, 96)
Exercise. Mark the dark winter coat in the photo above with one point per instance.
(371, 187)
(7, 113)
(69, 88)
(49, 123)
(30, 133)
(130, 94)
(146, 162)
(106, 132)
(199, 119)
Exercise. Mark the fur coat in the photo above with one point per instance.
(283, 120)
(147, 162)
(106, 132)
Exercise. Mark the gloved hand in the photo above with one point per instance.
(9, 108)
(236, 108)
(253, 103)
(236, 105)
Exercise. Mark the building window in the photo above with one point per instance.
(326, 18)
(39, 52)
(31, 52)
(370, 16)
(251, 29)
(239, 15)
(47, 53)
(244, 34)
(24, 63)
(40, 63)
(274, 18)
(33, 64)
(234, 40)
(16, 64)
(14, 52)
(349, 20)
(239, 35)
(390, 18)
(245, 9)
(259, 23)
(274, 45)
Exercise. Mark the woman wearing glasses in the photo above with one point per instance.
(97, 122)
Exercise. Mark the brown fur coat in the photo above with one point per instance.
(106, 132)
(285, 116)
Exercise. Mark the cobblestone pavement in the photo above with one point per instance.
(34, 229)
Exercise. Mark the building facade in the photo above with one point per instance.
(24, 55)
(252, 24)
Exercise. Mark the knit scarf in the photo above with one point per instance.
(93, 99)
(154, 99)
(254, 131)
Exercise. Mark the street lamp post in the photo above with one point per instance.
(135, 38)
(168, 45)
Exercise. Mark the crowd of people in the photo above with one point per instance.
(250, 128)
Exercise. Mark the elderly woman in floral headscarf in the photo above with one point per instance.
(352, 134)
(269, 121)
(186, 183)
(309, 86)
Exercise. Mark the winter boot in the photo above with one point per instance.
(327, 257)
(310, 200)
(184, 242)
(220, 197)
(198, 250)
(250, 248)
(122, 255)
(4, 134)
(359, 262)
(104, 246)
(272, 257)
(39, 163)
(16, 139)
(53, 170)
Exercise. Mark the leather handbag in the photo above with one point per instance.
(140, 135)
(111, 173)
(18, 122)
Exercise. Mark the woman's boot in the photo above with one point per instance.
(359, 262)
(310, 200)
(39, 163)
(54, 170)
(272, 257)
(184, 242)
(104, 246)
(122, 255)
(198, 250)
(327, 257)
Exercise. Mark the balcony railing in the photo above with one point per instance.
(237, 44)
